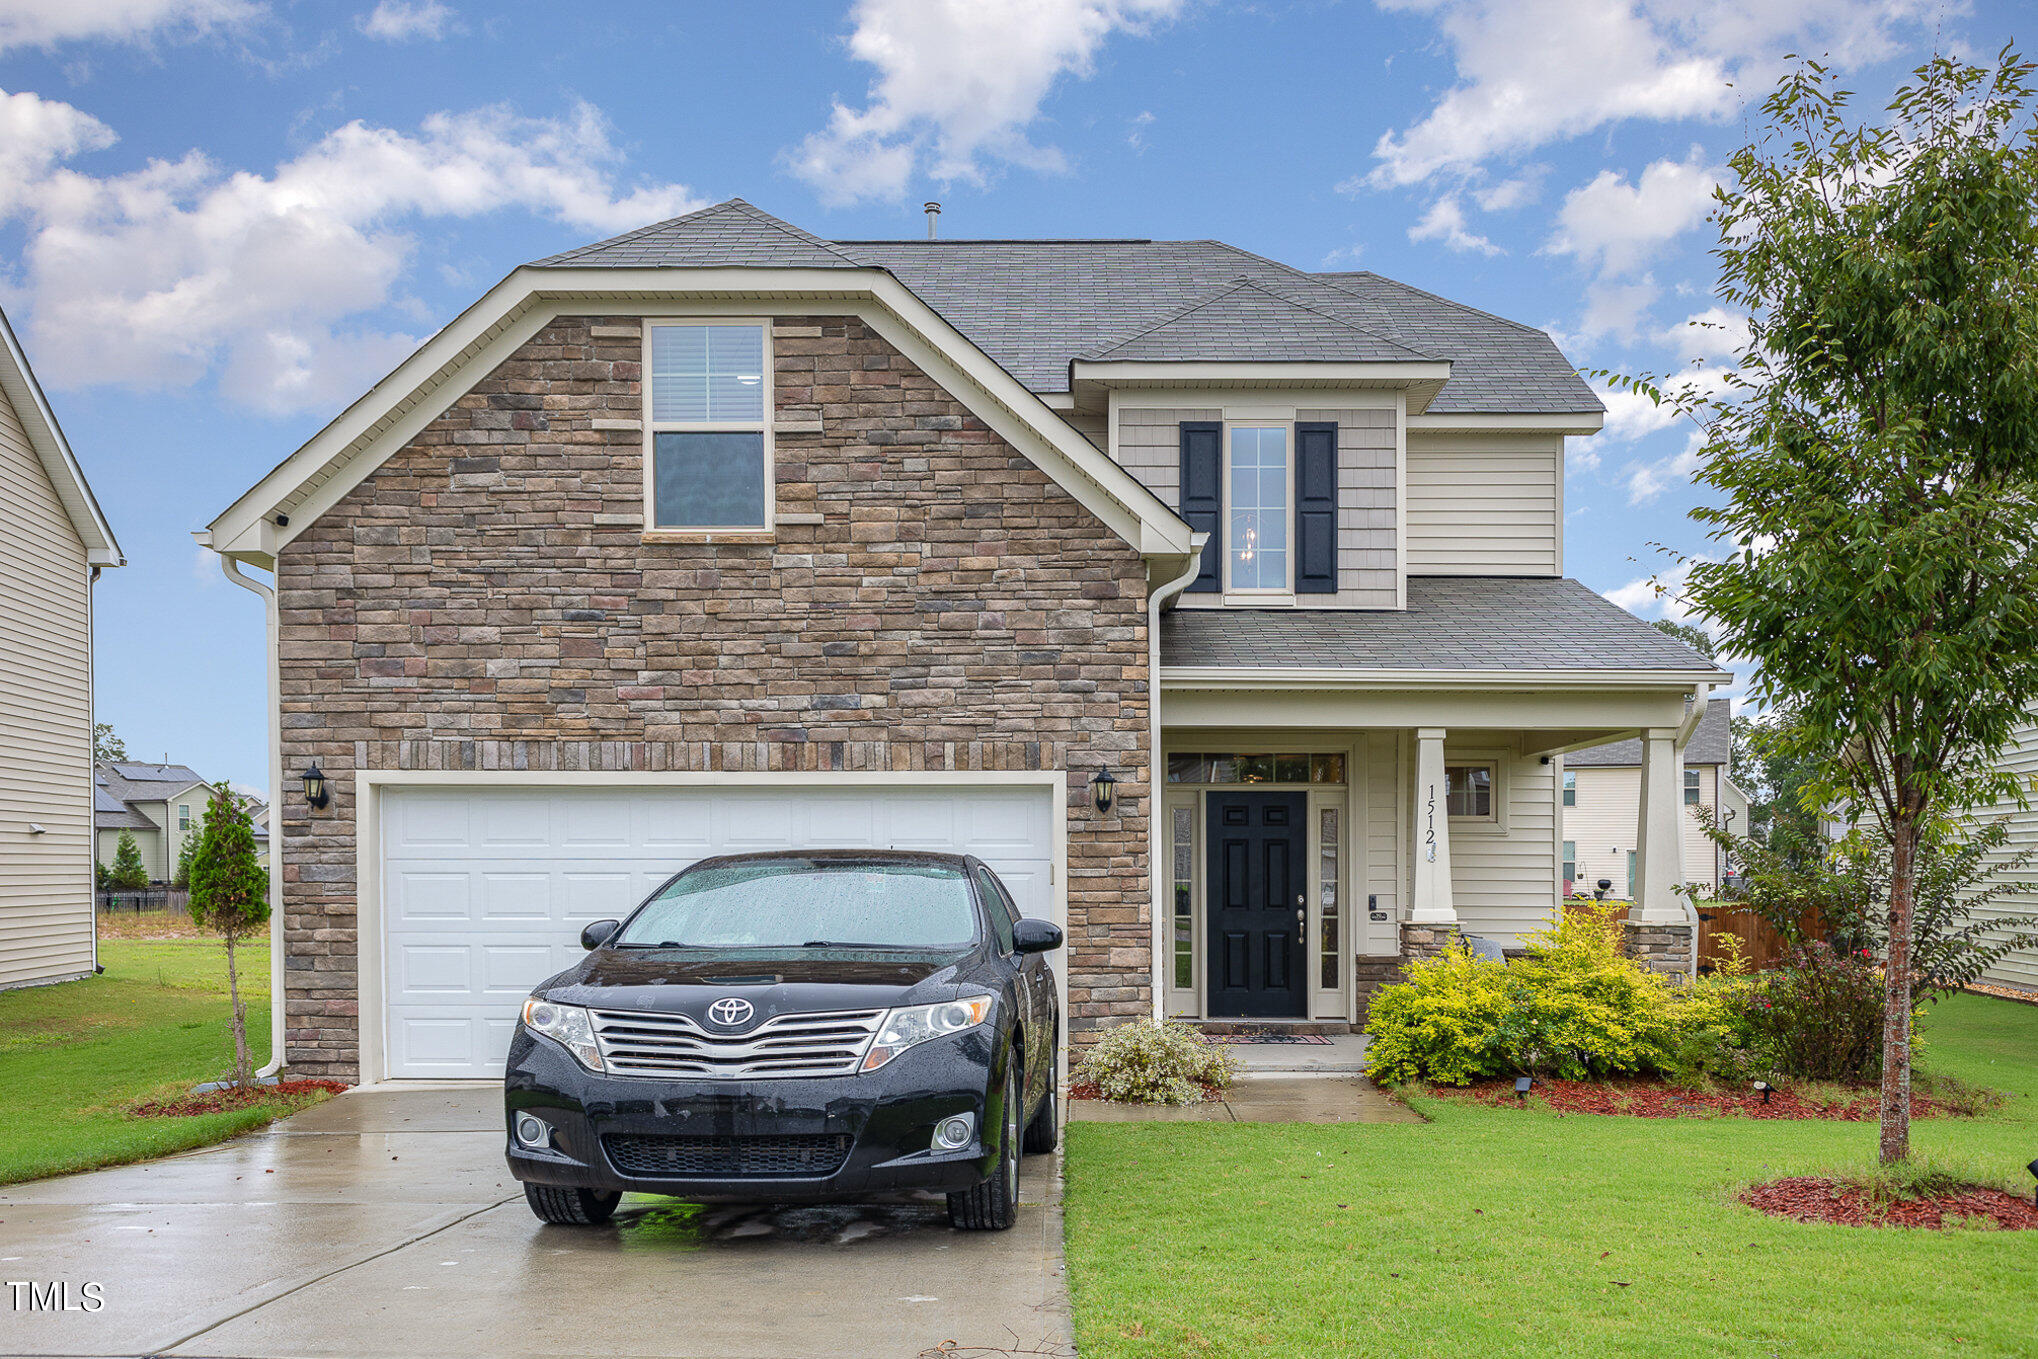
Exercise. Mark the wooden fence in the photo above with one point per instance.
(1761, 943)
(173, 899)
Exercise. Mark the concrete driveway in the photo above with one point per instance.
(384, 1223)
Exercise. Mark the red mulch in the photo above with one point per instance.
(1660, 1099)
(220, 1101)
(1810, 1199)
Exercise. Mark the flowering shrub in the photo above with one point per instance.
(1572, 1008)
(1154, 1063)
(1818, 1016)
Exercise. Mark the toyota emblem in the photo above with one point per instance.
(729, 1012)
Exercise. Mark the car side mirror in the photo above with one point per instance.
(595, 935)
(1036, 936)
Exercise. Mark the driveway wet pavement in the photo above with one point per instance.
(383, 1223)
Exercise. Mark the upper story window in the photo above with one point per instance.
(1258, 484)
(1691, 787)
(707, 398)
(1570, 788)
(183, 816)
(1468, 791)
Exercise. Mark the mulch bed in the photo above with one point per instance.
(1807, 1198)
(1660, 1099)
(2017, 993)
(221, 1101)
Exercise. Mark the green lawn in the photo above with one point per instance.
(72, 1057)
(1497, 1231)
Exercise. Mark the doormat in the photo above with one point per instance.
(1239, 1039)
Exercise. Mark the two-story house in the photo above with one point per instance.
(161, 805)
(1603, 792)
(54, 542)
(1217, 604)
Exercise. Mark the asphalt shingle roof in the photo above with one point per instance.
(110, 813)
(1712, 742)
(1034, 306)
(1247, 323)
(1451, 623)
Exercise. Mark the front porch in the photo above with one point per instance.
(1310, 841)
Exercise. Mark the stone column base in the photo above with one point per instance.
(1427, 939)
(1663, 947)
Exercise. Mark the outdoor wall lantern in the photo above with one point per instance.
(1521, 1087)
(315, 787)
(1100, 789)
(1763, 1088)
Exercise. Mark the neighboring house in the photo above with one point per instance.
(53, 543)
(2020, 967)
(1602, 798)
(258, 818)
(721, 536)
(161, 805)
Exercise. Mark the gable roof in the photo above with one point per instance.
(110, 813)
(1712, 742)
(1498, 623)
(46, 437)
(131, 781)
(1035, 305)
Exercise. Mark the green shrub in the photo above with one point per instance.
(1155, 1063)
(128, 873)
(1818, 1017)
(1572, 1008)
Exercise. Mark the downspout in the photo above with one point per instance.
(1157, 774)
(277, 994)
(92, 755)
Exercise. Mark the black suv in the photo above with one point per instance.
(793, 1027)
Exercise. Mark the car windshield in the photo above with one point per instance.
(808, 903)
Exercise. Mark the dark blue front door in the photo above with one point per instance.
(1258, 904)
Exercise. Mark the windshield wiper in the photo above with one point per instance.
(663, 943)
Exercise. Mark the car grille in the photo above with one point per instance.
(800, 1155)
(652, 1043)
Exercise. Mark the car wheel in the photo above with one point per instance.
(571, 1207)
(1043, 1134)
(993, 1205)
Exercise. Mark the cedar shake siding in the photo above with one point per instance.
(929, 600)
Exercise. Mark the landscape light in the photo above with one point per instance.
(1521, 1087)
(1762, 1088)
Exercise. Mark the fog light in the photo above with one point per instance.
(532, 1132)
(953, 1134)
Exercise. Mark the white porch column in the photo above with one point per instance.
(1432, 904)
(1659, 835)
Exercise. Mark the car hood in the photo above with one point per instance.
(773, 981)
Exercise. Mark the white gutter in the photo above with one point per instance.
(1157, 772)
(277, 996)
(1344, 678)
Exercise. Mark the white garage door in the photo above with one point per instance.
(484, 891)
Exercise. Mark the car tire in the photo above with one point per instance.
(994, 1205)
(571, 1207)
(1043, 1134)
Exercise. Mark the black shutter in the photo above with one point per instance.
(1203, 496)
(1315, 509)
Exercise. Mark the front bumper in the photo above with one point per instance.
(888, 1117)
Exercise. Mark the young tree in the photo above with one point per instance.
(1876, 445)
(129, 873)
(106, 745)
(230, 897)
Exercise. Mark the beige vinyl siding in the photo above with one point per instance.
(1094, 426)
(46, 926)
(2019, 968)
(1485, 504)
(1381, 776)
(1503, 877)
(1149, 447)
(1604, 822)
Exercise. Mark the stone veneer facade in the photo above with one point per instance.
(486, 600)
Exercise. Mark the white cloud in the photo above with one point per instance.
(1508, 193)
(958, 83)
(1615, 306)
(1616, 226)
(1532, 72)
(407, 21)
(1445, 221)
(278, 284)
(1136, 138)
(1712, 334)
(45, 23)
(1648, 480)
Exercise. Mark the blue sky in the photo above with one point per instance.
(222, 220)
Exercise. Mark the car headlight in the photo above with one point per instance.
(567, 1025)
(920, 1023)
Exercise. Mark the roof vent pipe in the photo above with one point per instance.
(933, 210)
